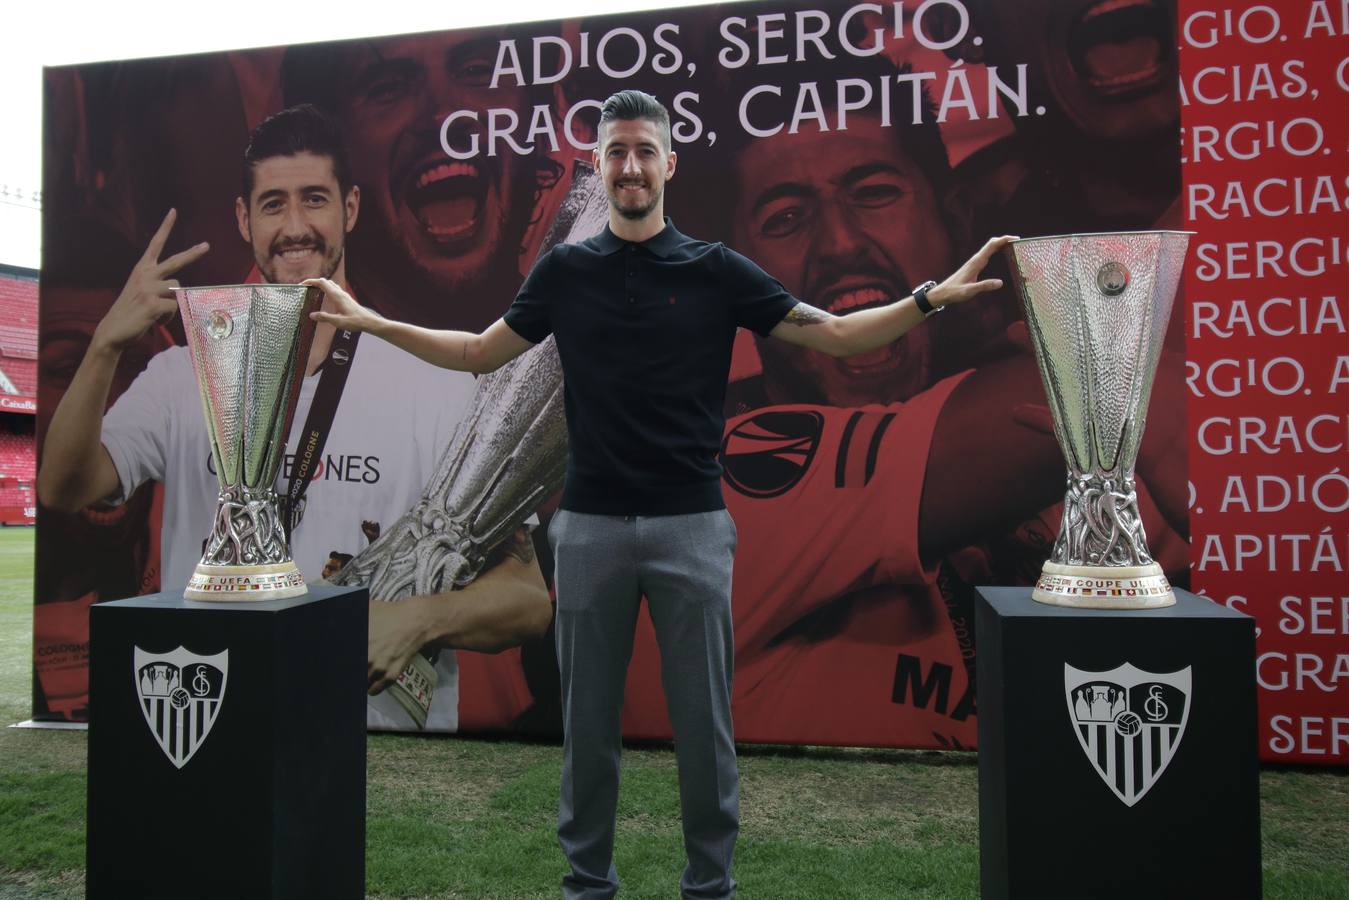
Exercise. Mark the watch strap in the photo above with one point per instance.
(920, 298)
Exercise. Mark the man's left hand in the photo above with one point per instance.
(964, 284)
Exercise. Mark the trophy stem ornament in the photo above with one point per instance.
(1097, 307)
(246, 553)
(1101, 523)
(247, 344)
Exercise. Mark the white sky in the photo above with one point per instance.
(40, 32)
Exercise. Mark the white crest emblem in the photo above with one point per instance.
(180, 695)
(1129, 723)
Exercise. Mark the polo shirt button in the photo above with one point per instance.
(632, 299)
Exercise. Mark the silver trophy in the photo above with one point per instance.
(1097, 307)
(247, 344)
(507, 456)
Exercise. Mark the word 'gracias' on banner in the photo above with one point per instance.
(863, 30)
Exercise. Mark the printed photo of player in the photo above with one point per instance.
(907, 474)
(297, 205)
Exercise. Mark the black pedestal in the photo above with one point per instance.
(1117, 751)
(227, 747)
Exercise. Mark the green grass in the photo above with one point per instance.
(16, 623)
(474, 818)
(41, 772)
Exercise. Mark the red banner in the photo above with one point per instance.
(853, 150)
(1263, 88)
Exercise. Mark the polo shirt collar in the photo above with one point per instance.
(662, 245)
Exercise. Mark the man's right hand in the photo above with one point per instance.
(340, 309)
(147, 298)
(458, 350)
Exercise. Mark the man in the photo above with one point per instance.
(854, 605)
(296, 209)
(830, 589)
(644, 319)
(445, 246)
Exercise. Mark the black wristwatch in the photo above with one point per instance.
(920, 299)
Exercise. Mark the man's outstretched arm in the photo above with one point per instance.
(868, 329)
(76, 469)
(462, 351)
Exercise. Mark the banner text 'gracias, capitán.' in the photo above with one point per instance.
(860, 31)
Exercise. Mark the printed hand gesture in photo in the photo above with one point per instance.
(147, 298)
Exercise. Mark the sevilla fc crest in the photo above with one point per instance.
(1129, 723)
(180, 695)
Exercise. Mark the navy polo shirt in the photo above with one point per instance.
(644, 331)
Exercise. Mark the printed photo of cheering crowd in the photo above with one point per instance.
(852, 150)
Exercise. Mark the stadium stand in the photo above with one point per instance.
(18, 394)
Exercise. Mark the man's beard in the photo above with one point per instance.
(635, 213)
(329, 263)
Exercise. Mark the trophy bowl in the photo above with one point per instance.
(1096, 307)
(247, 343)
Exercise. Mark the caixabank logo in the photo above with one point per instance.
(180, 695)
(1129, 723)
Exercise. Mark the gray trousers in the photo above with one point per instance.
(682, 565)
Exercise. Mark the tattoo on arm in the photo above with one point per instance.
(804, 314)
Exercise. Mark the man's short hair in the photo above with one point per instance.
(627, 106)
(300, 129)
(342, 558)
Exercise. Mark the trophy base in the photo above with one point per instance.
(245, 583)
(1104, 587)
